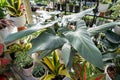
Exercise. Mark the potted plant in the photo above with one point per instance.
(57, 71)
(103, 6)
(16, 47)
(16, 13)
(70, 40)
(39, 71)
(25, 62)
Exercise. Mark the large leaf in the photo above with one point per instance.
(46, 41)
(108, 44)
(69, 18)
(81, 41)
(112, 37)
(66, 49)
(21, 34)
(95, 30)
(45, 53)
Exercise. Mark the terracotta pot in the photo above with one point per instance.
(21, 28)
(102, 14)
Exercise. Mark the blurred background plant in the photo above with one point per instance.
(2, 8)
(115, 9)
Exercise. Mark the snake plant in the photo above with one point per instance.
(54, 66)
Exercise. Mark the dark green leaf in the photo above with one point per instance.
(109, 45)
(46, 41)
(112, 37)
(45, 53)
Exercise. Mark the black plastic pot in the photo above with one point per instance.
(71, 8)
(77, 9)
(59, 77)
(63, 6)
(58, 6)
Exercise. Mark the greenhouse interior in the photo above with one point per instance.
(59, 39)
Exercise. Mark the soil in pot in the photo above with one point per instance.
(12, 55)
(28, 66)
(59, 77)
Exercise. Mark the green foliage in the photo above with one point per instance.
(2, 6)
(3, 3)
(54, 66)
(18, 47)
(115, 8)
(105, 1)
(77, 36)
(13, 7)
(39, 70)
(1, 13)
(23, 60)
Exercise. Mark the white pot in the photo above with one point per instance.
(106, 70)
(28, 72)
(117, 30)
(35, 78)
(19, 21)
(103, 7)
(7, 31)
